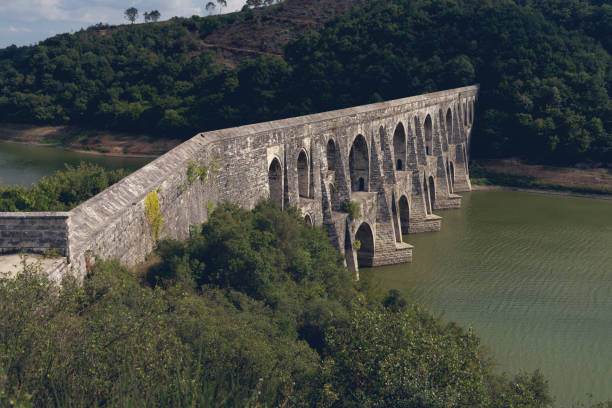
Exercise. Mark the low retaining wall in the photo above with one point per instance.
(35, 232)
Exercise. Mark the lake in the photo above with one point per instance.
(532, 274)
(25, 164)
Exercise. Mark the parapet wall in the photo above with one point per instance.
(238, 164)
(35, 232)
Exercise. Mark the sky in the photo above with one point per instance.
(25, 22)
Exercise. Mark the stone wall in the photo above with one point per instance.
(367, 143)
(35, 232)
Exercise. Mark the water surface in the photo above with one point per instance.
(532, 274)
(25, 164)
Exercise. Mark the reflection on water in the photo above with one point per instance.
(532, 274)
(24, 164)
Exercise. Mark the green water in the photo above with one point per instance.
(532, 274)
(24, 164)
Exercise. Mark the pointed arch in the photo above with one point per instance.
(448, 178)
(275, 182)
(331, 155)
(428, 128)
(432, 193)
(396, 227)
(308, 220)
(426, 196)
(381, 134)
(404, 212)
(418, 135)
(303, 174)
(365, 253)
(449, 126)
(399, 146)
(359, 164)
(472, 111)
(442, 122)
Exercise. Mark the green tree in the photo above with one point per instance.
(152, 16)
(131, 14)
(221, 3)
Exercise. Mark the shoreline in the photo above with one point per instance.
(83, 141)
(567, 193)
(82, 151)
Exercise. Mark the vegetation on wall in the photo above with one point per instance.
(62, 191)
(254, 309)
(196, 171)
(353, 208)
(153, 214)
(544, 68)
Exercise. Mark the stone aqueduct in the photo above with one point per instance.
(399, 160)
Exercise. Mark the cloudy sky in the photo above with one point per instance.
(24, 22)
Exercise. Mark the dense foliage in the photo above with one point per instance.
(255, 309)
(544, 68)
(62, 191)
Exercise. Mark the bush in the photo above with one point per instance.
(62, 191)
(254, 309)
(353, 209)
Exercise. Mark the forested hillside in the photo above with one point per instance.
(544, 67)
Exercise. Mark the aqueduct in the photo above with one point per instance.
(400, 161)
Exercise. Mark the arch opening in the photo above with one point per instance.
(428, 136)
(432, 193)
(275, 182)
(399, 146)
(449, 126)
(451, 174)
(308, 220)
(472, 112)
(331, 155)
(381, 132)
(396, 227)
(448, 178)
(335, 202)
(427, 197)
(302, 167)
(359, 164)
(365, 253)
(442, 122)
(404, 212)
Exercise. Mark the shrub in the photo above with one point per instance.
(353, 209)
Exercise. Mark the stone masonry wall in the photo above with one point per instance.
(34, 232)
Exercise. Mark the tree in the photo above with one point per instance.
(254, 3)
(131, 14)
(221, 3)
(152, 16)
(210, 6)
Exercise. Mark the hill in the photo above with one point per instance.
(544, 67)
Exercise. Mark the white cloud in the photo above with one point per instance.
(14, 29)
